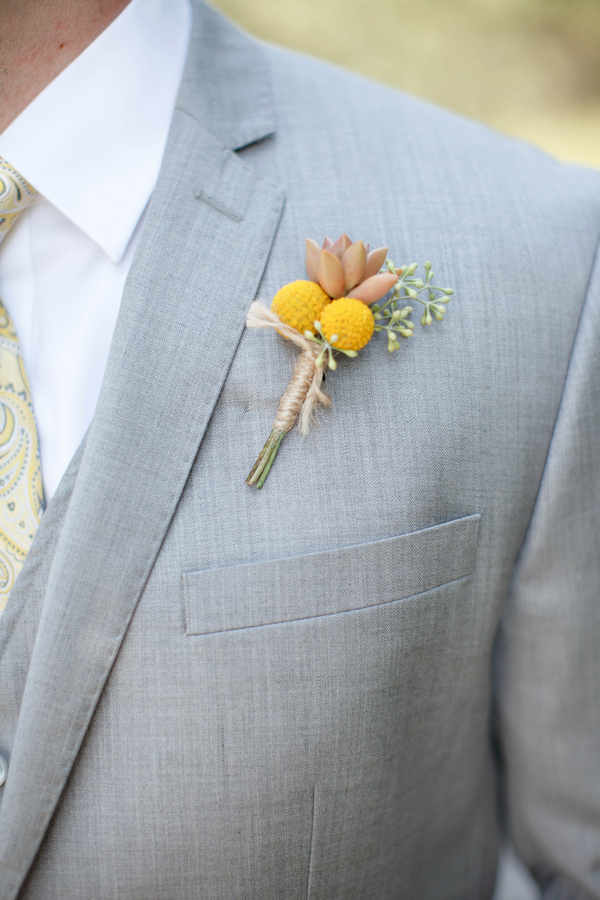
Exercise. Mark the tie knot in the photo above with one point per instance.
(15, 195)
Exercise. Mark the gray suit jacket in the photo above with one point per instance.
(320, 690)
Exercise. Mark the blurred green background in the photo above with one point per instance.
(530, 68)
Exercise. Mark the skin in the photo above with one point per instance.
(40, 38)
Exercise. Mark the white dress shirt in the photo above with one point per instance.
(91, 144)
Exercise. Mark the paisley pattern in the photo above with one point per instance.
(21, 493)
(15, 195)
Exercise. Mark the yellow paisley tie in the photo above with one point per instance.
(21, 492)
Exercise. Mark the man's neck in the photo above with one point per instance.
(40, 38)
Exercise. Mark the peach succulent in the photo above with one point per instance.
(347, 269)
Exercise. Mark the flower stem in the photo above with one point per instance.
(263, 464)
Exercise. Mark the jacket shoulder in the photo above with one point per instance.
(319, 103)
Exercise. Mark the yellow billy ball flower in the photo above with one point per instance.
(299, 304)
(349, 322)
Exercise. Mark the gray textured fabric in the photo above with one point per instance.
(320, 584)
(513, 880)
(18, 625)
(205, 704)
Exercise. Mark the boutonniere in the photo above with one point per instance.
(352, 294)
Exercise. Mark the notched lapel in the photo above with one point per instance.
(208, 234)
(227, 84)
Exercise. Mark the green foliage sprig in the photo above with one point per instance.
(392, 315)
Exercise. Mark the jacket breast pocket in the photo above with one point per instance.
(333, 581)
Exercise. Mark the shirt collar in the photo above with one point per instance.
(92, 142)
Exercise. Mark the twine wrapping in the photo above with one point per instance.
(303, 393)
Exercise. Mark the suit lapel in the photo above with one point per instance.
(208, 234)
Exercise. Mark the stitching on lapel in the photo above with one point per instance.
(219, 206)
